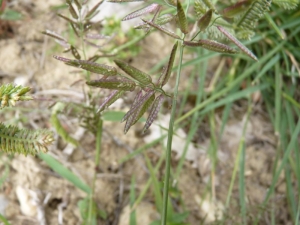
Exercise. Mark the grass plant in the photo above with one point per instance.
(205, 30)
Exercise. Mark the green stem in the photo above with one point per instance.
(169, 143)
(97, 161)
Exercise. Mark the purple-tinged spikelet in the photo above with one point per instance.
(163, 79)
(148, 9)
(154, 111)
(114, 96)
(89, 66)
(138, 104)
(162, 29)
(135, 73)
(113, 83)
(211, 45)
(237, 43)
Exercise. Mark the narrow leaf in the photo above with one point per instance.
(182, 18)
(140, 12)
(163, 79)
(204, 21)
(162, 29)
(135, 73)
(236, 9)
(90, 66)
(154, 111)
(237, 43)
(65, 172)
(113, 83)
(211, 45)
(138, 104)
(114, 96)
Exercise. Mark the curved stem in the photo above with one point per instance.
(169, 143)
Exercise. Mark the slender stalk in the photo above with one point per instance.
(97, 161)
(169, 143)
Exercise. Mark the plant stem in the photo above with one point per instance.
(169, 143)
(97, 161)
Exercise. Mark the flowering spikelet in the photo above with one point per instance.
(162, 29)
(161, 20)
(182, 18)
(148, 9)
(154, 111)
(89, 66)
(135, 73)
(114, 96)
(236, 9)
(139, 112)
(237, 42)
(71, 9)
(211, 45)
(163, 79)
(138, 104)
(204, 21)
(129, 121)
(113, 83)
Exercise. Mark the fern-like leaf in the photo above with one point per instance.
(200, 8)
(254, 12)
(24, 141)
(287, 4)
